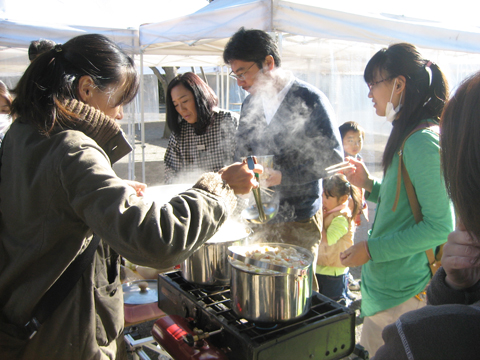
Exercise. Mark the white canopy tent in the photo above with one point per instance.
(15, 37)
(205, 32)
(319, 43)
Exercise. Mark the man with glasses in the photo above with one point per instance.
(292, 120)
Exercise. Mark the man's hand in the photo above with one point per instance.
(240, 178)
(274, 178)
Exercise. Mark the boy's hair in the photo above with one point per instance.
(351, 126)
(251, 45)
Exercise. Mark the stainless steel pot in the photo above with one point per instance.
(209, 264)
(275, 297)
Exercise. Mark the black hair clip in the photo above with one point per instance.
(58, 48)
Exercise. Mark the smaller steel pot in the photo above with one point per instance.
(209, 264)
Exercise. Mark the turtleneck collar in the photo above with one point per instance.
(104, 130)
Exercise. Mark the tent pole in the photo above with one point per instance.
(204, 76)
(222, 101)
(228, 92)
(142, 124)
(280, 43)
(217, 83)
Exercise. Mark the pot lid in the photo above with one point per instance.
(140, 292)
(240, 253)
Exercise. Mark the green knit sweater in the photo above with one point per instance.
(399, 267)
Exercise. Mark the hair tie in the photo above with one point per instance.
(429, 72)
(347, 184)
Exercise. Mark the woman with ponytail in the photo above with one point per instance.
(410, 92)
(61, 201)
(337, 235)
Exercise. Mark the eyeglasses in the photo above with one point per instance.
(372, 84)
(240, 76)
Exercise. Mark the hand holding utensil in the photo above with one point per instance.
(251, 161)
(358, 174)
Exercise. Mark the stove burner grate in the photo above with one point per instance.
(327, 326)
(217, 302)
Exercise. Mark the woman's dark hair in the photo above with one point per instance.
(351, 126)
(38, 47)
(425, 93)
(251, 45)
(460, 151)
(52, 79)
(337, 186)
(205, 101)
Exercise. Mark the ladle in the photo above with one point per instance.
(251, 161)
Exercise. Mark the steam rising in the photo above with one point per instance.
(302, 135)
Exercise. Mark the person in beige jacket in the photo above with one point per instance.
(58, 188)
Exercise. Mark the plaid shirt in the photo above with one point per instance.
(189, 155)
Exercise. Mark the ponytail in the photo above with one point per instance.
(52, 79)
(356, 195)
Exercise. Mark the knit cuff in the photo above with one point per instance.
(213, 183)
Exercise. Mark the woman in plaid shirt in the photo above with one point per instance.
(203, 136)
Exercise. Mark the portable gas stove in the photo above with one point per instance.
(327, 331)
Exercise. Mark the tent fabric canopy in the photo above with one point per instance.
(205, 32)
(19, 34)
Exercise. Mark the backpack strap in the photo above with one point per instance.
(433, 260)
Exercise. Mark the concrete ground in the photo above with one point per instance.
(153, 152)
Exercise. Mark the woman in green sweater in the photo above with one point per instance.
(410, 92)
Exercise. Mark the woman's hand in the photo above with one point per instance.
(359, 175)
(138, 186)
(240, 178)
(355, 255)
(460, 259)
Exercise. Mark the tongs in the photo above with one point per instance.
(340, 166)
(251, 161)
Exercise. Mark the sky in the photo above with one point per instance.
(104, 13)
(132, 13)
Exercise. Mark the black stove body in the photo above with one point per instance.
(326, 332)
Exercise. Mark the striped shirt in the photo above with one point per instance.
(189, 155)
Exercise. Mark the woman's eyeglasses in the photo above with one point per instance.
(240, 76)
(372, 84)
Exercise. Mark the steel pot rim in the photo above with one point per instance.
(238, 253)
